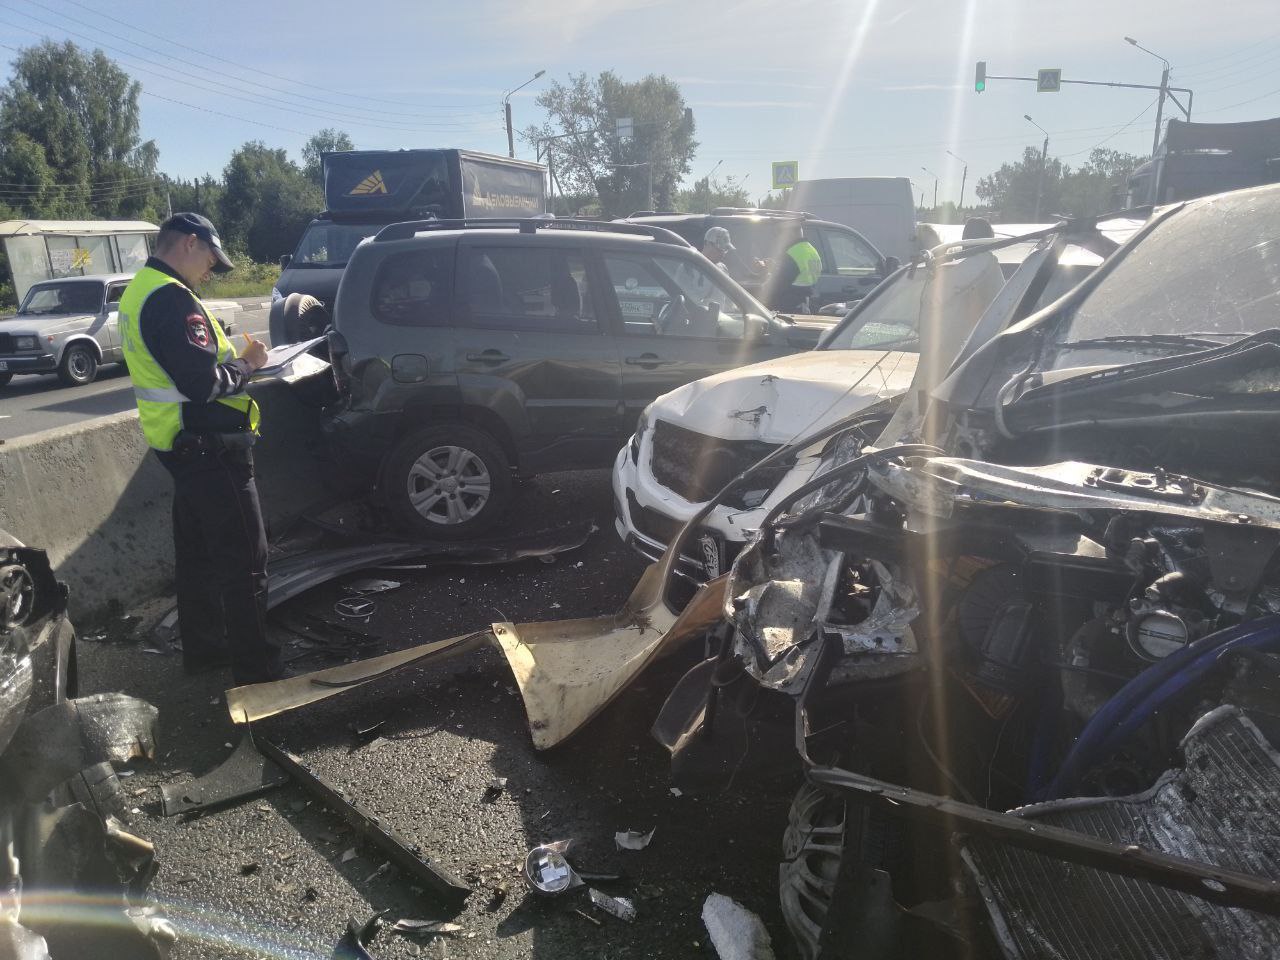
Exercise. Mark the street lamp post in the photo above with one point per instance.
(1164, 90)
(506, 109)
(935, 187)
(1044, 159)
(964, 175)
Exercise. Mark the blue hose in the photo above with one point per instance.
(1139, 699)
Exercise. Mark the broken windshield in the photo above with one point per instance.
(1204, 278)
(893, 318)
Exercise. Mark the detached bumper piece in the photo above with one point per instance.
(1221, 808)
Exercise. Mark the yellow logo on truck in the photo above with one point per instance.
(371, 184)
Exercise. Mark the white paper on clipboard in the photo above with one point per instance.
(280, 358)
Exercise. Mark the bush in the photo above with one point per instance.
(248, 279)
(8, 301)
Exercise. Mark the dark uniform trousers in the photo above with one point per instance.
(220, 545)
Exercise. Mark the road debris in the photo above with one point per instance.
(426, 928)
(352, 944)
(547, 869)
(633, 839)
(386, 867)
(497, 786)
(245, 773)
(736, 932)
(619, 907)
(372, 585)
(348, 855)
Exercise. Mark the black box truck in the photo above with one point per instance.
(365, 190)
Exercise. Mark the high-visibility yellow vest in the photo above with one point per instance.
(808, 262)
(159, 401)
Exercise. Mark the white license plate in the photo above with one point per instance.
(4, 365)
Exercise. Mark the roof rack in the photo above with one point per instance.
(408, 228)
(760, 212)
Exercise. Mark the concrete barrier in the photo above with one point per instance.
(95, 498)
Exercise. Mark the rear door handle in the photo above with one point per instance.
(647, 360)
(488, 356)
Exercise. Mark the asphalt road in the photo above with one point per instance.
(279, 875)
(30, 404)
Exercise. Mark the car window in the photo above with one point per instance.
(115, 292)
(852, 257)
(80, 297)
(674, 296)
(892, 318)
(528, 288)
(414, 289)
(328, 244)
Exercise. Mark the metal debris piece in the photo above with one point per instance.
(59, 741)
(348, 855)
(633, 839)
(355, 608)
(586, 916)
(352, 944)
(260, 700)
(408, 859)
(736, 932)
(426, 928)
(372, 585)
(547, 869)
(619, 907)
(163, 635)
(495, 789)
(386, 866)
(246, 773)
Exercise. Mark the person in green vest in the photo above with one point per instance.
(793, 277)
(189, 384)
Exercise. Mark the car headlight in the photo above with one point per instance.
(26, 343)
(276, 294)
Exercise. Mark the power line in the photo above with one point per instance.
(186, 63)
(1228, 56)
(260, 100)
(1232, 106)
(1115, 133)
(274, 76)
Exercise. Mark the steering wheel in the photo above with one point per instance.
(672, 312)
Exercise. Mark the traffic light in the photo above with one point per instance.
(980, 76)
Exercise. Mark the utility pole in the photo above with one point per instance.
(1044, 159)
(1164, 92)
(935, 187)
(506, 109)
(964, 175)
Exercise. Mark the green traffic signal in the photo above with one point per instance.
(980, 76)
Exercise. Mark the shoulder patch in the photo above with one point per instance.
(198, 330)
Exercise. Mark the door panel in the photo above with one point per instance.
(850, 266)
(530, 346)
(109, 338)
(678, 324)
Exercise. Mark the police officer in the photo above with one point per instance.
(799, 269)
(190, 384)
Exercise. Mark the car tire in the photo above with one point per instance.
(450, 482)
(297, 317)
(79, 365)
(5, 379)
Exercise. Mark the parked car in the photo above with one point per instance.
(1048, 587)
(851, 264)
(469, 350)
(71, 327)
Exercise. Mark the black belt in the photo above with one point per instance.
(187, 442)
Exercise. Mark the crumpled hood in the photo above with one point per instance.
(773, 400)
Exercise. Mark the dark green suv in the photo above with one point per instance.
(469, 351)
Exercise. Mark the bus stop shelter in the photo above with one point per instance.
(49, 249)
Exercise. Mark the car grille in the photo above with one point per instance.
(697, 466)
(662, 529)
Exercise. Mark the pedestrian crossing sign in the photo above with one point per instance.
(1049, 81)
(786, 174)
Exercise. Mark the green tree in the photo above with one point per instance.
(202, 195)
(707, 194)
(266, 202)
(624, 173)
(1095, 187)
(327, 140)
(81, 110)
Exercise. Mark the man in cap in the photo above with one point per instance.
(189, 383)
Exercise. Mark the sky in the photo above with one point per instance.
(844, 87)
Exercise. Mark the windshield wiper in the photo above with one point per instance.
(1144, 339)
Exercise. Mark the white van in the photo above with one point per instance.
(880, 208)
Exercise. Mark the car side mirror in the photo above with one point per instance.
(285, 261)
(113, 306)
(755, 328)
(890, 265)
